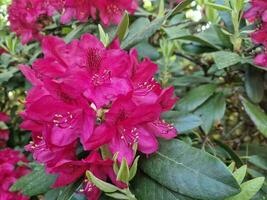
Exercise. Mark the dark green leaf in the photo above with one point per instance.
(141, 30)
(225, 59)
(190, 171)
(35, 183)
(187, 122)
(196, 97)
(253, 84)
(199, 40)
(212, 111)
(146, 188)
(257, 115)
(67, 192)
(259, 161)
(231, 152)
(146, 50)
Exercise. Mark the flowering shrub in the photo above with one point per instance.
(10, 172)
(65, 106)
(133, 99)
(29, 18)
(257, 12)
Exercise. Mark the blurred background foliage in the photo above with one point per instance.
(203, 49)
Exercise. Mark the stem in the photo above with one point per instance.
(197, 62)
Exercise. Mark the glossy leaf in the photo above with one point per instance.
(257, 115)
(187, 122)
(249, 189)
(254, 80)
(212, 111)
(225, 59)
(141, 30)
(146, 188)
(183, 169)
(196, 97)
(35, 183)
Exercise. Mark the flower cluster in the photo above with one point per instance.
(258, 13)
(4, 133)
(10, 172)
(86, 96)
(28, 18)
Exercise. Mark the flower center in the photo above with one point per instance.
(113, 9)
(63, 120)
(129, 136)
(94, 57)
(100, 79)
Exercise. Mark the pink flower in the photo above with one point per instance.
(71, 170)
(80, 10)
(111, 11)
(10, 172)
(28, 18)
(86, 95)
(258, 12)
(261, 60)
(135, 124)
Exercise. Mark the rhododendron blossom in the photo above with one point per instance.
(85, 96)
(4, 133)
(28, 18)
(258, 12)
(10, 172)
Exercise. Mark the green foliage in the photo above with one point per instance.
(221, 114)
(35, 183)
(172, 167)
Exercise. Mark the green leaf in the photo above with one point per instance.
(146, 50)
(141, 30)
(102, 185)
(73, 34)
(253, 84)
(231, 167)
(190, 171)
(146, 188)
(240, 174)
(133, 169)
(218, 6)
(259, 161)
(190, 80)
(249, 189)
(212, 111)
(104, 37)
(196, 97)
(7, 74)
(117, 195)
(52, 194)
(123, 27)
(257, 115)
(225, 59)
(231, 152)
(180, 7)
(35, 183)
(124, 172)
(187, 122)
(197, 39)
(67, 192)
(161, 8)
